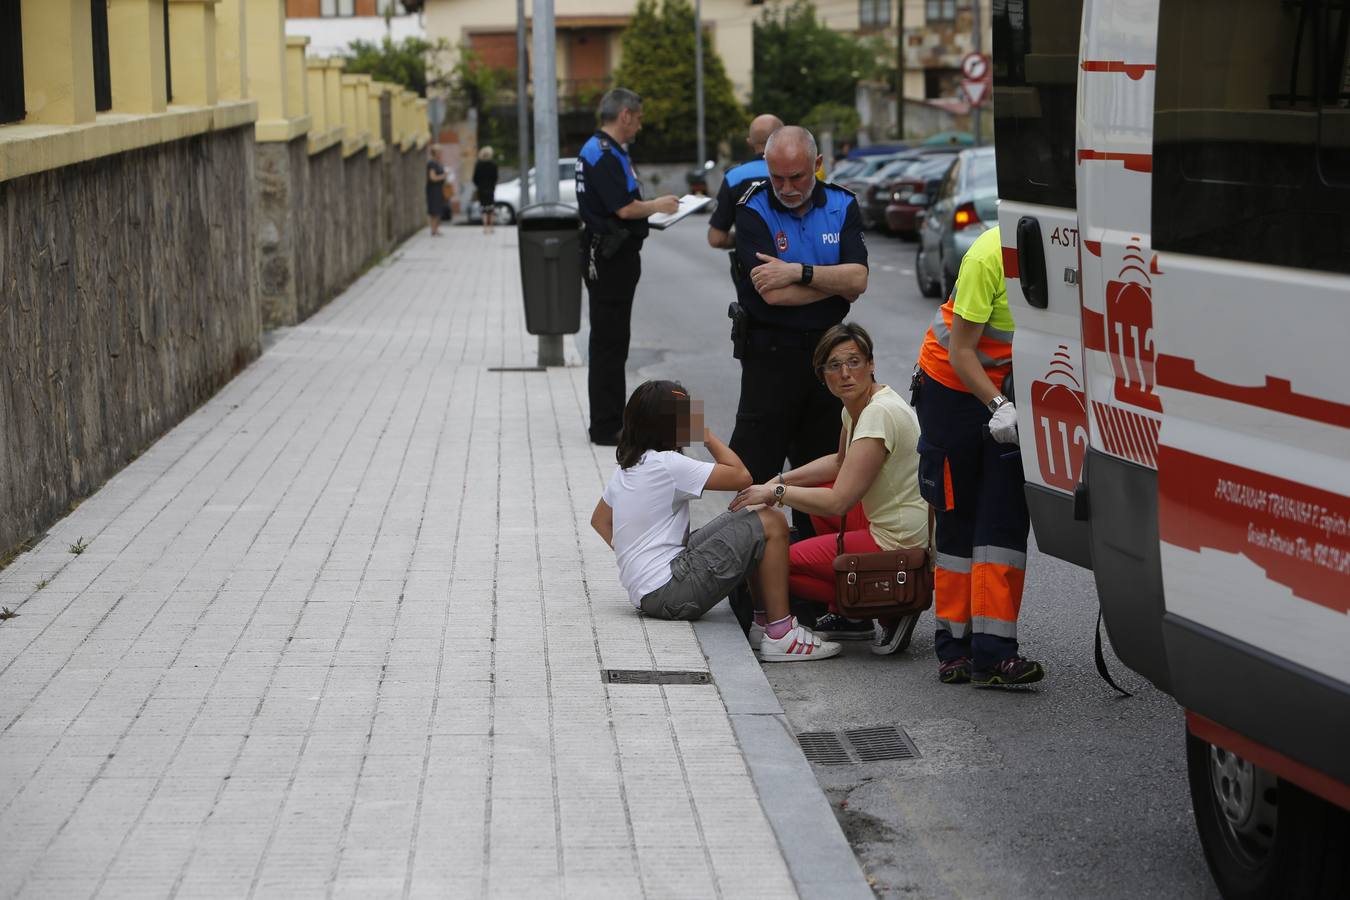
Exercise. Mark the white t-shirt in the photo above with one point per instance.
(651, 516)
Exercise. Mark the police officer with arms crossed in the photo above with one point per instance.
(615, 219)
(737, 181)
(800, 246)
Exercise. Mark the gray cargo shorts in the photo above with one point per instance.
(718, 557)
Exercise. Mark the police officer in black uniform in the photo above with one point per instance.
(614, 216)
(737, 180)
(799, 242)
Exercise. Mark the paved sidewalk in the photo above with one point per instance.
(341, 633)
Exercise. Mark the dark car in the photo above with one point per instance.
(909, 194)
(860, 180)
(965, 206)
(873, 193)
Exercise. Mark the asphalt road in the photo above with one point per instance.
(1063, 791)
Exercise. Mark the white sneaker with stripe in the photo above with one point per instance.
(800, 644)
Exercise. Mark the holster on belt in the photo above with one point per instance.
(915, 385)
(735, 270)
(740, 328)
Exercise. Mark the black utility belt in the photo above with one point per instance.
(761, 337)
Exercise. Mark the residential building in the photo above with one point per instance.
(331, 25)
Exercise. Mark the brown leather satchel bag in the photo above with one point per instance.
(885, 584)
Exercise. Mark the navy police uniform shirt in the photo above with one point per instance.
(829, 234)
(606, 184)
(735, 183)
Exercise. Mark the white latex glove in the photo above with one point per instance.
(1003, 424)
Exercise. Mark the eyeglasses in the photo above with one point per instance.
(853, 364)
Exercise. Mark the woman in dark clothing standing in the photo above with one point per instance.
(485, 181)
(435, 190)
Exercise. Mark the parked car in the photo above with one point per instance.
(966, 205)
(877, 197)
(871, 191)
(507, 196)
(922, 179)
(861, 181)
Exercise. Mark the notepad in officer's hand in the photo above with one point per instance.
(688, 203)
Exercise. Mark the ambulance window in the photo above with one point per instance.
(1251, 138)
(1035, 98)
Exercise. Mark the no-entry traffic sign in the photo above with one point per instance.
(975, 68)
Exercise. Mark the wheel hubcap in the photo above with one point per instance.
(1246, 797)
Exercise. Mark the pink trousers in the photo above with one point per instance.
(811, 562)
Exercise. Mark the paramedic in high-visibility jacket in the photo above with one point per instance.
(970, 470)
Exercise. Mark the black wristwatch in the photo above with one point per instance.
(807, 272)
(778, 491)
(995, 403)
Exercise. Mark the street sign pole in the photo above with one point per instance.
(546, 139)
(698, 78)
(522, 103)
(979, 48)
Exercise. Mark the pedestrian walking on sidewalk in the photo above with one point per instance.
(643, 515)
(799, 244)
(871, 478)
(485, 183)
(971, 472)
(614, 215)
(435, 189)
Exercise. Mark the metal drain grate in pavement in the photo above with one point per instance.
(872, 744)
(823, 748)
(517, 369)
(653, 676)
(881, 742)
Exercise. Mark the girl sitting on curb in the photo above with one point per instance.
(643, 515)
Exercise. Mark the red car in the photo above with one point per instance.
(920, 182)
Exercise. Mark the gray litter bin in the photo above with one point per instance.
(550, 267)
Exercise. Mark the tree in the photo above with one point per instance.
(410, 62)
(801, 65)
(658, 63)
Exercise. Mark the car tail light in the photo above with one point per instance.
(964, 215)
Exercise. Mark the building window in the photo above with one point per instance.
(939, 83)
(331, 8)
(11, 62)
(940, 10)
(874, 13)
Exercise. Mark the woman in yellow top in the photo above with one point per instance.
(872, 478)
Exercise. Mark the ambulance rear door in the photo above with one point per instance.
(1035, 85)
(1251, 306)
(1118, 273)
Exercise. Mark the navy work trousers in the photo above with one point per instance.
(976, 486)
(611, 312)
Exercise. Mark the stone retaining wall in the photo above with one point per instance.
(127, 297)
(323, 218)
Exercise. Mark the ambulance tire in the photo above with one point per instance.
(1285, 843)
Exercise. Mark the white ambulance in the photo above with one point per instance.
(1174, 183)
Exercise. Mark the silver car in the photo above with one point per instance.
(964, 207)
(506, 199)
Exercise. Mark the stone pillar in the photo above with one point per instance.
(58, 69)
(282, 158)
(231, 50)
(136, 56)
(192, 54)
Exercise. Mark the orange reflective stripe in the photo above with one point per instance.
(994, 351)
(948, 492)
(951, 595)
(996, 591)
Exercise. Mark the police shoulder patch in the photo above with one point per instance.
(754, 188)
